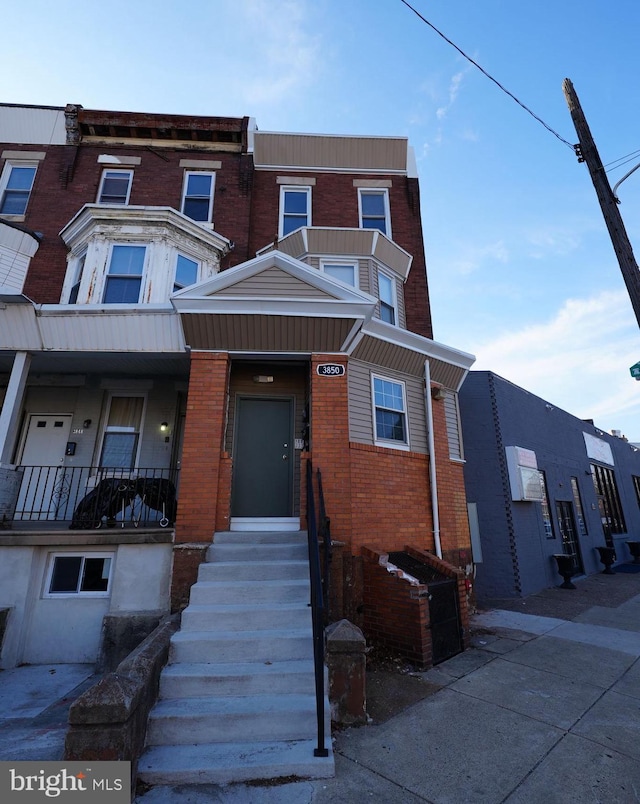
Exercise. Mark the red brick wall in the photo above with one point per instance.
(69, 177)
(329, 419)
(334, 202)
(396, 611)
(205, 474)
(391, 502)
(395, 615)
(202, 452)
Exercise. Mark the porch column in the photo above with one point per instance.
(330, 442)
(202, 456)
(12, 407)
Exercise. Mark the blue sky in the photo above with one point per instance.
(521, 269)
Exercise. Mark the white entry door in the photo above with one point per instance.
(42, 458)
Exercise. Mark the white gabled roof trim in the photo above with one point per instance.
(296, 268)
(416, 343)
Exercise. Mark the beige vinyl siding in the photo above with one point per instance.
(339, 241)
(361, 404)
(273, 282)
(320, 151)
(452, 418)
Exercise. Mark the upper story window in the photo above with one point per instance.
(346, 272)
(115, 187)
(387, 294)
(390, 412)
(124, 279)
(16, 183)
(187, 271)
(75, 288)
(295, 209)
(374, 210)
(197, 195)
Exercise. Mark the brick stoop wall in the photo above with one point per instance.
(396, 609)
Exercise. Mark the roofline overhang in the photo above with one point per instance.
(92, 215)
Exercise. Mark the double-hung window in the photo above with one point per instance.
(16, 184)
(295, 209)
(186, 272)
(197, 195)
(387, 294)
(344, 271)
(86, 574)
(374, 210)
(122, 432)
(115, 187)
(124, 279)
(390, 412)
(75, 288)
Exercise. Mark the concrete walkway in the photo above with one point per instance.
(544, 707)
(541, 709)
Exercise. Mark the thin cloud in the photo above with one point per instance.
(473, 258)
(454, 90)
(284, 58)
(579, 360)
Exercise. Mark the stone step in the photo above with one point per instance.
(275, 645)
(207, 593)
(253, 570)
(226, 719)
(244, 617)
(223, 763)
(257, 552)
(261, 537)
(195, 680)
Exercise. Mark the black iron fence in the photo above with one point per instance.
(94, 497)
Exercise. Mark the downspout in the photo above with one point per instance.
(428, 404)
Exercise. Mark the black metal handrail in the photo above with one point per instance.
(92, 496)
(324, 531)
(317, 612)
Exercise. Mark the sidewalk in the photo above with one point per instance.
(544, 707)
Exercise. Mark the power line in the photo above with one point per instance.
(490, 77)
(623, 160)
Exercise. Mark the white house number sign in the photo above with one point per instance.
(330, 369)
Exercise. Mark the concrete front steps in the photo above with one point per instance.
(237, 698)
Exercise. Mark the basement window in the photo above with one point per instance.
(79, 574)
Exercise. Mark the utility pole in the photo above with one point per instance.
(587, 152)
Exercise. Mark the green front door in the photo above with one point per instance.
(263, 458)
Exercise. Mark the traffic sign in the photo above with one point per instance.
(635, 371)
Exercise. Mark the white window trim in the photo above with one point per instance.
(387, 214)
(185, 182)
(382, 442)
(129, 173)
(105, 429)
(180, 253)
(107, 274)
(351, 263)
(4, 181)
(75, 278)
(51, 559)
(394, 293)
(296, 188)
